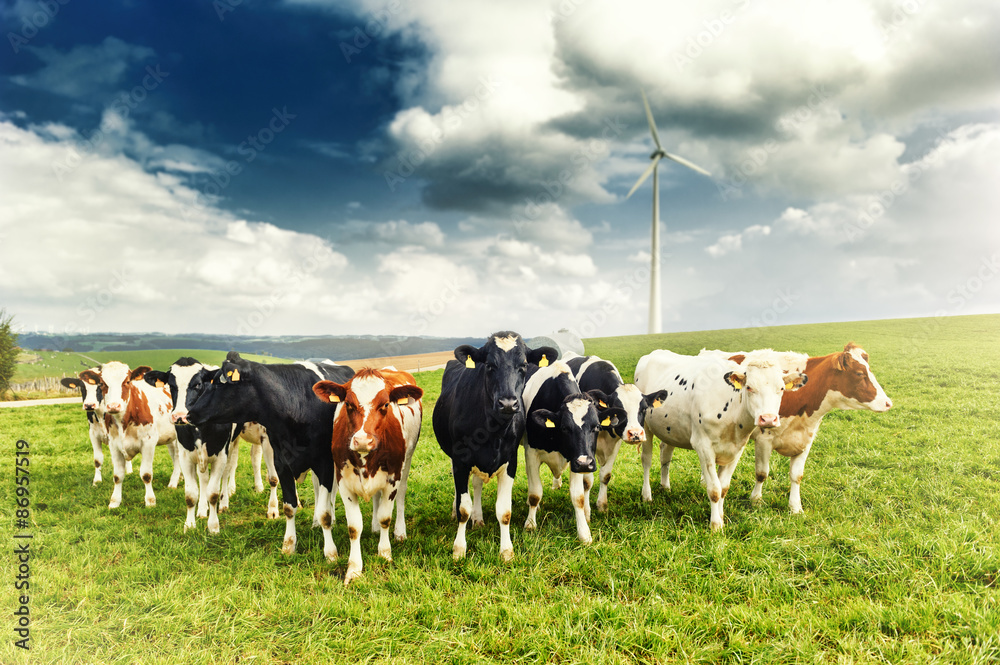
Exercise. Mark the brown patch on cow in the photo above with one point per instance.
(578, 502)
(117, 479)
(533, 500)
(738, 359)
(505, 518)
(392, 495)
(761, 476)
(835, 372)
(147, 478)
(272, 481)
(606, 479)
(798, 480)
(463, 515)
(713, 496)
(97, 464)
(385, 523)
(326, 520)
(352, 533)
(213, 499)
(289, 511)
(587, 484)
(190, 501)
(137, 411)
(725, 491)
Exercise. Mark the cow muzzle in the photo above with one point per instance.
(179, 418)
(114, 408)
(363, 443)
(635, 435)
(768, 420)
(584, 464)
(508, 406)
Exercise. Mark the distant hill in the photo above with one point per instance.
(290, 346)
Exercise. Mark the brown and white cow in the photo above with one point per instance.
(93, 406)
(137, 417)
(841, 380)
(375, 431)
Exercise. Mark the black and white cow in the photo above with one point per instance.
(93, 405)
(479, 421)
(210, 453)
(593, 373)
(299, 426)
(561, 430)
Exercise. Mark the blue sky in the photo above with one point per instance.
(312, 167)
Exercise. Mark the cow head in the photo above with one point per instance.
(576, 424)
(369, 409)
(184, 379)
(113, 379)
(852, 377)
(762, 378)
(503, 364)
(222, 395)
(89, 389)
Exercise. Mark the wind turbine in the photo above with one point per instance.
(655, 315)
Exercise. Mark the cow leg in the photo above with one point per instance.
(666, 454)
(384, 520)
(607, 450)
(175, 470)
(118, 462)
(796, 470)
(355, 523)
(204, 473)
(556, 481)
(225, 489)
(376, 502)
(290, 499)
(647, 462)
(216, 482)
(463, 506)
(146, 467)
(272, 480)
(712, 485)
(399, 531)
(532, 467)
(256, 452)
(577, 494)
(505, 486)
(588, 482)
(318, 508)
(95, 442)
(234, 454)
(762, 467)
(477, 502)
(326, 521)
(190, 470)
(726, 476)
(128, 465)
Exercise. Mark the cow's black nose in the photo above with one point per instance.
(508, 406)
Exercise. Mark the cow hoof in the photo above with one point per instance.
(114, 504)
(476, 523)
(224, 509)
(202, 514)
(756, 501)
(385, 553)
(150, 501)
(648, 498)
(507, 555)
(288, 547)
(602, 507)
(272, 513)
(353, 573)
(716, 526)
(97, 480)
(586, 540)
(188, 525)
(331, 555)
(529, 525)
(213, 528)
(458, 552)
(400, 537)
(796, 510)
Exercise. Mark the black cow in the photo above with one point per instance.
(299, 426)
(479, 420)
(593, 373)
(563, 424)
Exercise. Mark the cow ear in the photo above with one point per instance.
(331, 392)
(91, 377)
(542, 356)
(470, 356)
(611, 417)
(139, 372)
(155, 378)
(231, 372)
(842, 361)
(544, 418)
(795, 381)
(601, 399)
(72, 382)
(737, 381)
(406, 395)
(656, 400)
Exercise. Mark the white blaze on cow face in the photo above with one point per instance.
(366, 390)
(90, 390)
(578, 408)
(505, 343)
(114, 374)
(182, 377)
(631, 398)
(881, 401)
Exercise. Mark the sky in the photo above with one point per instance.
(423, 167)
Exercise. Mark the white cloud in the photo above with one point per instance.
(84, 71)
(733, 242)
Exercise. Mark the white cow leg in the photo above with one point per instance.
(256, 452)
(607, 452)
(272, 480)
(326, 522)
(712, 486)
(204, 473)
(118, 462)
(175, 474)
(762, 468)
(577, 495)
(355, 523)
(128, 466)
(532, 467)
(216, 480)
(95, 442)
(225, 490)
(505, 485)
(647, 462)
(464, 511)
(588, 483)
(666, 454)
(796, 470)
(725, 475)
(146, 469)
(477, 502)
(320, 506)
(384, 521)
(288, 544)
(190, 470)
(234, 454)
(376, 502)
(399, 532)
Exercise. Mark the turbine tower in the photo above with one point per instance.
(655, 314)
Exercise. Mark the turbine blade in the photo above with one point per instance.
(693, 167)
(642, 178)
(652, 123)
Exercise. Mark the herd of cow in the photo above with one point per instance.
(357, 431)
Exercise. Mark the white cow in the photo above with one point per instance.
(93, 405)
(138, 420)
(712, 406)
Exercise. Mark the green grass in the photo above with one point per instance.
(895, 560)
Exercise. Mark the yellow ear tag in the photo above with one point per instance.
(159, 384)
(334, 399)
(549, 423)
(606, 422)
(603, 405)
(657, 403)
(736, 384)
(544, 362)
(236, 375)
(469, 362)
(92, 382)
(404, 401)
(789, 385)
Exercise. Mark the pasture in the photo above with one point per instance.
(895, 560)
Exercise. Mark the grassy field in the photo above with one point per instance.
(895, 560)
